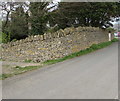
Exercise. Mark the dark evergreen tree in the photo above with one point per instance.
(38, 17)
(18, 28)
(95, 14)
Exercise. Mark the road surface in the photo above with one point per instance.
(92, 76)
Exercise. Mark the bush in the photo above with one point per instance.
(114, 40)
(109, 29)
(52, 30)
(95, 46)
(14, 40)
(5, 37)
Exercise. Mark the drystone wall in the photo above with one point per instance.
(49, 46)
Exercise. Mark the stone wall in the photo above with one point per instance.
(53, 45)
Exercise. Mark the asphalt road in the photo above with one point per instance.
(92, 76)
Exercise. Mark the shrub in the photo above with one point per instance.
(5, 37)
(95, 46)
(114, 40)
(14, 40)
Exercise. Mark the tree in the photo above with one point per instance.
(101, 13)
(12, 22)
(118, 9)
(38, 17)
(95, 14)
(7, 8)
(18, 24)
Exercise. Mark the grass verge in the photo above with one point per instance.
(19, 70)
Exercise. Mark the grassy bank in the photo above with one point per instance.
(19, 70)
(94, 47)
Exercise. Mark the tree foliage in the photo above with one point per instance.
(38, 17)
(95, 14)
(19, 24)
(17, 27)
